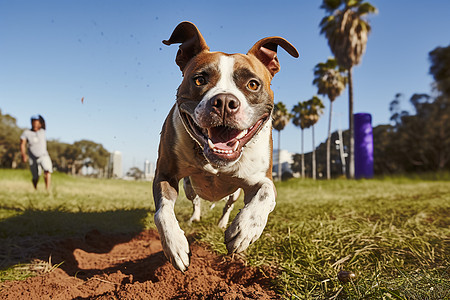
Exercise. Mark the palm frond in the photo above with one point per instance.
(366, 8)
(329, 78)
(280, 116)
(331, 5)
(347, 31)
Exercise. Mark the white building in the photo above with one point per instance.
(286, 159)
(115, 165)
(149, 170)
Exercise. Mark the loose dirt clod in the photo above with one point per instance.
(124, 266)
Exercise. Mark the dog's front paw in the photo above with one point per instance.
(173, 240)
(245, 229)
(176, 249)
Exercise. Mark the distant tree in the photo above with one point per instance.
(281, 118)
(395, 109)
(9, 142)
(315, 110)
(56, 149)
(330, 81)
(386, 159)
(72, 155)
(347, 30)
(90, 153)
(421, 141)
(299, 113)
(440, 69)
(136, 173)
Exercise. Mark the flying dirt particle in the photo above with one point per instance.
(82, 100)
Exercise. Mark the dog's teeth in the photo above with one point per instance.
(228, 152)
(211, 144)
(236, 146)
(242, 134)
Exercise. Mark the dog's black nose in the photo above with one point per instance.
(225, 104)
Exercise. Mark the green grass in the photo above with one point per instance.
(393, 232)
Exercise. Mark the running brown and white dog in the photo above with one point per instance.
(218, 137)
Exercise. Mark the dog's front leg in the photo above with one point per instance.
(249, 224)
(173, 240)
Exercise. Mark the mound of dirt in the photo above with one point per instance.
(122, 266)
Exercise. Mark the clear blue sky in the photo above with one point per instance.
(53, 53)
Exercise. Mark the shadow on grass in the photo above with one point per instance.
(29, 234)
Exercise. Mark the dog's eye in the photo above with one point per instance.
(253, 85)
(199, 80)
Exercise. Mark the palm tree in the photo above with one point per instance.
(330, 81)
(299, 113)
(281, 118)
(347, 30)
(315, 107)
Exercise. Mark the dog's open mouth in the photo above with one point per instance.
(222, 142)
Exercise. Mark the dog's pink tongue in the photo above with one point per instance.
(223, 138)
(223, 146)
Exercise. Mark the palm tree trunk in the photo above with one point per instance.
(313, 155)
(303, 156)
(329, 143)
(279, 156)
(351, 162)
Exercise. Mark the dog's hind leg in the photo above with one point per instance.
(197, 211)
(196, 202)
(223, 222)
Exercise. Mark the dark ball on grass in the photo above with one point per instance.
(346, 276)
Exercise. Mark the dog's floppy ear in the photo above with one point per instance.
(266, 51)
(192, 42)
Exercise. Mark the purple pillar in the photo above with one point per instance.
(363, 146)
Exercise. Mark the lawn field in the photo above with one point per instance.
(393, 233)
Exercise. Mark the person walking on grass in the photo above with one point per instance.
(38, 156)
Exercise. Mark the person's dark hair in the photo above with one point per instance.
(41, 120)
